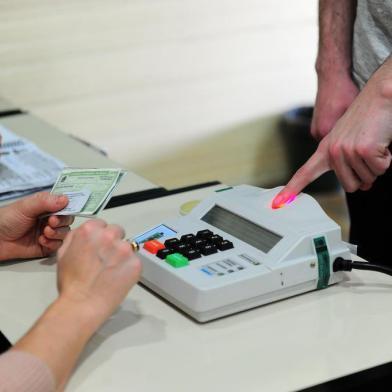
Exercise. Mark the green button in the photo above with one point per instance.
(177, 260)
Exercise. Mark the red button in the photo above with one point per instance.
(153, 246)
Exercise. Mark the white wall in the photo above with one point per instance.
(156, 74)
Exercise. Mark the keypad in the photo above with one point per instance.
(178, 252)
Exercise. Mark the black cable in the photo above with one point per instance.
(341, 264)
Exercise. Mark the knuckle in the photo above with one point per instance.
(363, 150)
(91, 224)
(48, 231)
(351, 187)
(366, 186)
(381, 169)
(347, 150)
(124, 250)
(108, 237)
(87, 228)
(84, 229)
(385, 164)
(54, 220)
(99, 222)
(120, 230)
(334, 151)
(117, 231)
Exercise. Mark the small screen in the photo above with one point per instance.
(155, 234)
(245, 230)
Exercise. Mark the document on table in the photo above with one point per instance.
(24, 168)
(98, 184)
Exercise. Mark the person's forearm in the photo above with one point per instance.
(336, 21)
(21, 372)
(59, 336)
(383, 76)
(379, 86)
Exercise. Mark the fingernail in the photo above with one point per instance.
(283, 199)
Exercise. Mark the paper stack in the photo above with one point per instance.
(24, 168)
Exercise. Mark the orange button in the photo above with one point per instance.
(153, 246)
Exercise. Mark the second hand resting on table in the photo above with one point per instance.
(95, 270)
(357, 147)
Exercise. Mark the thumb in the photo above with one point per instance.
(41, 203)
(310, 171)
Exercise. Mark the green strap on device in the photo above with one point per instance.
(324, 267)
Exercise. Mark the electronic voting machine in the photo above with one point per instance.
(233, 252)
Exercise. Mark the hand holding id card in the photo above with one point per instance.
(88, 190)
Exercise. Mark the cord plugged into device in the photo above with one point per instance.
(341, 264)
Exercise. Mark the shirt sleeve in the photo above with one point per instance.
(23, 372)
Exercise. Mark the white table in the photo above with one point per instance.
(148, 345)
(70, 151)
(6, 106)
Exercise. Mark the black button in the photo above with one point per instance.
(192, 254)
(171, 243)
(164, 252)
(215, 239)
(199, 243)
(188, 238)
(208, 249)
(205, 234)
(181, 247)
(224, 245)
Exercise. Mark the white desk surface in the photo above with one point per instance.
(150, 346)
(5, 105)
(70, 151)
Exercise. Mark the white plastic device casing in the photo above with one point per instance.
(291, 267)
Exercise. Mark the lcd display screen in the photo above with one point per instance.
(241, 228)
(155, 234)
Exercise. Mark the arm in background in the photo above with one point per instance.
(336, 89)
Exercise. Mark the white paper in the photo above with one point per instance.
(77, 200)
(13, 195)
(23, 166)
